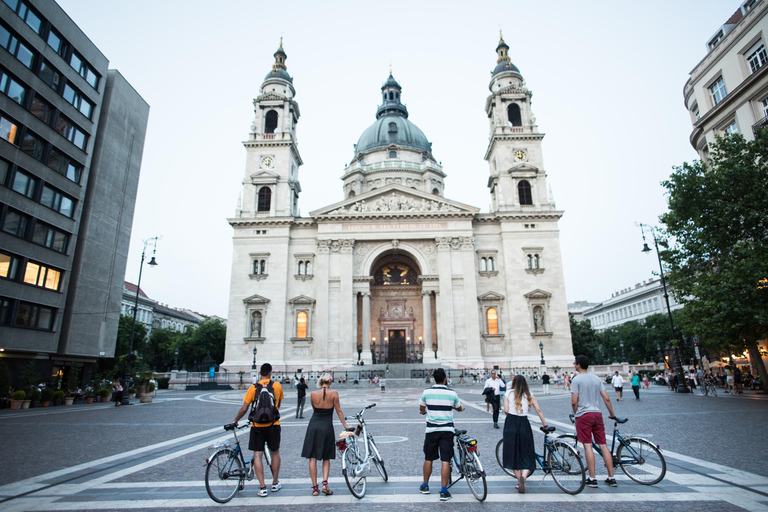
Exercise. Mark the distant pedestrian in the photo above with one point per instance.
(618, 386)
(301, 389)
(636, 385)
(383, 383)
(118, 393)
(545, 382)
(495, 397)
(645, 380)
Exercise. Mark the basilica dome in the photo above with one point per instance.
(392, 125)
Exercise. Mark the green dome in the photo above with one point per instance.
(393, 129)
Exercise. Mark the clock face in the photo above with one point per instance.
(268, 162)
(520, 155)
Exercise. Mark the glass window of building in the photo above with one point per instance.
(55, 200)
(9, 266)
(756, 57)
(32, 145)
(493, 321)
(301, 324)
(25, 184)
(717, 91)
(41, 109)
(15, 223)
(12, 88)
(8, 130)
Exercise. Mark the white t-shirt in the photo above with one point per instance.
(510, 395)
(497, 385)
(617, 381)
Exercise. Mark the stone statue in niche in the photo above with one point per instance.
(538, 319)
(256, 324)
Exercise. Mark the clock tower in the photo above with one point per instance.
(271, 184)
(517, 178)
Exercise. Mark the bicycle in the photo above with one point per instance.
(707, 386)
(468, 465)
(226, 469)
(559, 459)
(357, 455)
(639, 459)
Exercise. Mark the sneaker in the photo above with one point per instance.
(610, 481)
(496, 425)
(445, 496)
(591, 482)
(424, 489)
(263, 493)
(276, 487)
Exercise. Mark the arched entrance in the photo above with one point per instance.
(397, 319)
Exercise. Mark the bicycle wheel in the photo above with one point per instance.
(224, 476)
(356, 481)
(713, 390)
(500, 458)
(268, 458)
(473, 472)
(377, 460)
(703, 388)
(641, 461)
(570, 439)
(566, 467)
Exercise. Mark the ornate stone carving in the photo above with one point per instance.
(300, 352)
(396, 203)
(443, 243)
(323, 246)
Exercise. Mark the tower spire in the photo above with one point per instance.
(280, 57)
(503, 50)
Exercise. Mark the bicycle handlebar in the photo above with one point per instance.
(233, 426)
(572, 417)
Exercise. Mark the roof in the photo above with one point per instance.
(160, 308)
(132, 289)
(393, 129)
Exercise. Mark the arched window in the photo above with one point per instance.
(435, 191)
(524, 192)
(535, 261)
(530, 261)
(301, 324)
(490, 265)
(270, 123)
(492, 320)
(351, 193)
(301, 268)
(263, 267)
(265, 199)
(307, 269)
(483, 267)
(513, 112)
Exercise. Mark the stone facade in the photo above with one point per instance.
(396, 273)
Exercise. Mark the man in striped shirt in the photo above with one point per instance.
(438, 403)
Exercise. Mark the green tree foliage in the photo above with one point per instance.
(585, 340)
(718, 217)
(207, 337)
(159, 351)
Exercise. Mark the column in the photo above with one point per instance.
(347, 304)
(322, 273)
(366, 355)
(429, 354)
(446, 339)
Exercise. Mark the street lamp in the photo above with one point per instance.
(176, 359)
(253, 366)
(681, 387)
(541, 348)
(623, 358)
(129, 357)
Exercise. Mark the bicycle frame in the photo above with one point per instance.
(351, 443)
(622, 442)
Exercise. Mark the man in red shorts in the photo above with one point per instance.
(586, 391)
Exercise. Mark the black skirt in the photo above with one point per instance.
(519, 451)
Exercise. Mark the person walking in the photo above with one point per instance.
(438, 404)
(519, 453)
(320, 439)
(495, 398)
(545, 383)
(118, 387)
(301, 390)
(636, 385)
(586, 391)
(264, 433)
(618, 386)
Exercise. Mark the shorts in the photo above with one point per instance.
(617, 388)
(588, 425)
(264, 435)
(730, 379)
(441, 442)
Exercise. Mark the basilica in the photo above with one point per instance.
(397, 273)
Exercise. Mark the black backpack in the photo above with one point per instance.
(263, 408)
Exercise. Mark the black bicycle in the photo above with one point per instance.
(639, 459)
(467, 464)
(558, 459)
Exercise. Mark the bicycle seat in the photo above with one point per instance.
(621, 420)
(459, 432)
(548, 430)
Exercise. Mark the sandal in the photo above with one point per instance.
(315, 491)
(326, 490)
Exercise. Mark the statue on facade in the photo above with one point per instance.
(538, 320)
(256, 324)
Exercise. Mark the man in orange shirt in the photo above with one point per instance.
(264, 433)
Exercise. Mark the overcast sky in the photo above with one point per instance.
(607, 80)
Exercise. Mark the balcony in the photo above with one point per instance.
(763, 123)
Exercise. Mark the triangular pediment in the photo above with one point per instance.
(255, 299)
(301, 299)
(394, 200)
(263, 175)
(538, 294)
(523, 167)
(490, 296)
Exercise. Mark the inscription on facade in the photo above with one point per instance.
(391, 226)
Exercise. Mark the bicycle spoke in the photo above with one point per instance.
(641, 461)
(224, 476)
(566, 467)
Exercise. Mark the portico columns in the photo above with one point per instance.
(426, 305)
(366, 355)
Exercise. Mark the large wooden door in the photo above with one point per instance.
(397, 346)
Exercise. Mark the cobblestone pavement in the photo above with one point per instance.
(93, 457)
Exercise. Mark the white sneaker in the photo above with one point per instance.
(276, 487)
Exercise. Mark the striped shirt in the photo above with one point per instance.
(440, 403)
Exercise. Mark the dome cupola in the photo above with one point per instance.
(279, 70)
(503, 63)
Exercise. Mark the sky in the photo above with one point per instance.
(607, 79)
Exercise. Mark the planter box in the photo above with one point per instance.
(145, 398)
(69, 400)
(16, 404)
(45, 403)
(25, 404)
(89, 399)
(104, 399)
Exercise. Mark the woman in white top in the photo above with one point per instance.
(519, 451)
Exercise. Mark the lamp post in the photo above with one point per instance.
(176, 359)
(696, 345)
(541, 349)
(129, 357)
(623, 357)
(253, 365)
(373, 350)
(681, 387)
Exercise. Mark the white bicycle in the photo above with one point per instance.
(356, 456)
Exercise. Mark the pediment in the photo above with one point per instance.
(256, 299)
(490, 296)
(270, 96)
(394, 200)
(301, 299)
(264, 175)
(523, 167)
(538, 294)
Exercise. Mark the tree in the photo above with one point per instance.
(207, 337)
(718, 218)
(585, 340)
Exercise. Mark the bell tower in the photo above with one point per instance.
(517, 179)
(271, 183)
